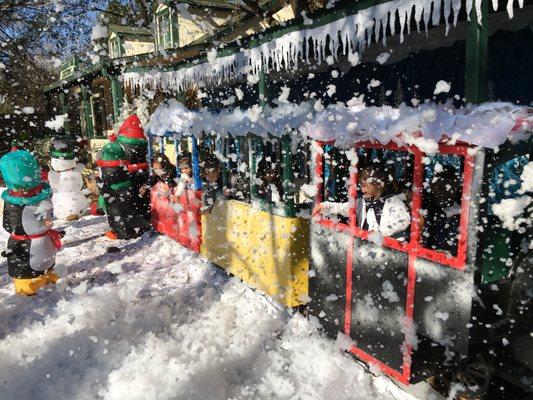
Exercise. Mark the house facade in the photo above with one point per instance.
(92, 96)
(387, 51)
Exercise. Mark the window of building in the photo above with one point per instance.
(441, 203)
(165, 29)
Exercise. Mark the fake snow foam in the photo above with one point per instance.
(143, 332)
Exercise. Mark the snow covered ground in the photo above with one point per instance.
(157, 322)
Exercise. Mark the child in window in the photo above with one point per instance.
(163, 171)
(375, 211)
(212, 188)
(185, 180)
(269, 185)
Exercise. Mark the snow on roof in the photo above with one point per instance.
(488, 125)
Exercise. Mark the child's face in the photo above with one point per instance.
(212, 174)
(158, 168)
(371, 189)
(186, 169)
(271, 174)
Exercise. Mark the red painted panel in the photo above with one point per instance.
(179, 219)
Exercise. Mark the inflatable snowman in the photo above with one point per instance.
(66, 181)
(32, 244)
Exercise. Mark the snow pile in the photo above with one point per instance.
(348, 35)
(156, 322)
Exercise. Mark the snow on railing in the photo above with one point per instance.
(487, 125)
(351, 34)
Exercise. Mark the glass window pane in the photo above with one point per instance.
(441, 202)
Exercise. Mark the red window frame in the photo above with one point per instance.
(413, 245)
(412, 248)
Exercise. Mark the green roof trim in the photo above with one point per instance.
(133, 30)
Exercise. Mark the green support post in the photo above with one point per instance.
(89, 133)
(263, 89)
(225, 173)
(116, 93)
(476, 77)
(253, 142)
(64, 110)
(288, 179)
(252, 160)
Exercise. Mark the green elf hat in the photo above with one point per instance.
(62, 149)
(112, 155)
(22, 176)
(131, 132)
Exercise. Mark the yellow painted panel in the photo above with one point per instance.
(267, 251)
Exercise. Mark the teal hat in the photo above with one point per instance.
(22, 176)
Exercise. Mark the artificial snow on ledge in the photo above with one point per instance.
(348, 35)
(487, 125)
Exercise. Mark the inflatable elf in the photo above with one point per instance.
(117, 192)
(33, 244)
(66, 180)
(131, 137)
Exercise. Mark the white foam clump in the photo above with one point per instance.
(511, 211)
(488, 125)
(57, 122)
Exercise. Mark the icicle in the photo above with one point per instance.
(495, 5)
(427, 16)
(392, 23)
(468, 6)
(520, 3)
(419, 10)
(384, 26)
(409, 12)
(402, 24)
(447, 12)
(510, 10)
(478, 11)
(437, 5)
(456, 10)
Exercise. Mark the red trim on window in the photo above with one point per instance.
(465, 208)
(382, 366)
(352, 194)
(412, 248)
(319, 172)
(329, 223)
(348, 304)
